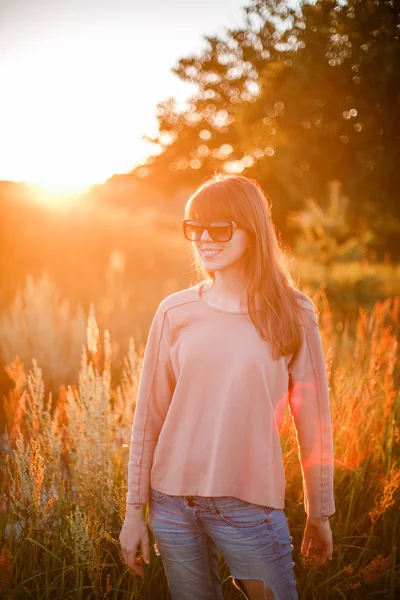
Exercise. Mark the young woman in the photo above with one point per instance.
(221, 360)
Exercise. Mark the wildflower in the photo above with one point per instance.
(36, 467)
(5, 566)
(396, 434)
(376, 569)
(92, 331)
(348, 570)
(79, 540)
(353, 586)
(49, 504)
(15, 371)
(119, 498)
(391, 485)
(108, 586)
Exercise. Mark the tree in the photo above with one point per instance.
(297, 99)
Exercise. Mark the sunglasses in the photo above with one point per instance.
(219, 231)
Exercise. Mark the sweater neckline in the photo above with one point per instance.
(200, 298)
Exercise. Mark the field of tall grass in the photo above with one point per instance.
(63, 480)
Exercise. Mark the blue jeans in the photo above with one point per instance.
(254, 541)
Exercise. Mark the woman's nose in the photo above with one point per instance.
(205, 236)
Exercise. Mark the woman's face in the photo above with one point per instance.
(217, 256)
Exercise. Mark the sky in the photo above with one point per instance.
(80, 81)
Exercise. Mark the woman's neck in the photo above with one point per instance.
(228, 291)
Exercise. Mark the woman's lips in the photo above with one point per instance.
(210, 253)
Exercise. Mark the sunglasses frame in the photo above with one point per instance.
(232, 225)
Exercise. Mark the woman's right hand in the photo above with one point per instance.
(317, 545)
(133, 534)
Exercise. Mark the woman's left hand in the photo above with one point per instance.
(317, 545)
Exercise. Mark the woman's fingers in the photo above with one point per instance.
(318, 553)
(137, 567)
(324, 554)
(129, 557)
(329, 551)
(315, 551)
(129, 549)
(145, 547)
(304, 545)
(133, 562)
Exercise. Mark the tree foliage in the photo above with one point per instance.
(296, 99)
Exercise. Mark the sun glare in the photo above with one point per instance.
(52, 198)
(82, 123)
(60, 188)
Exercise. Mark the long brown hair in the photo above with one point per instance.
(242, 199)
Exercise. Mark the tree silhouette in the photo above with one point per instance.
(296, 99)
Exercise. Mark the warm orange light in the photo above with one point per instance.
(57, 196)
(61, 189)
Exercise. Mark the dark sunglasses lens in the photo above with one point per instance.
(220, 231)
(193, 231)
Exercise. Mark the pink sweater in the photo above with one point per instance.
(210, 402)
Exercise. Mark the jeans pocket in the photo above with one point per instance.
(239, 513)
(157, 497)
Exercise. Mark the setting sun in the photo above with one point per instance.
(80, 87)
(69, 141)
(55, 196)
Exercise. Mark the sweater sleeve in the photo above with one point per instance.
(310, 410)
(156, 387)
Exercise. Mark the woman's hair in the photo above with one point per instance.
(242, 200)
